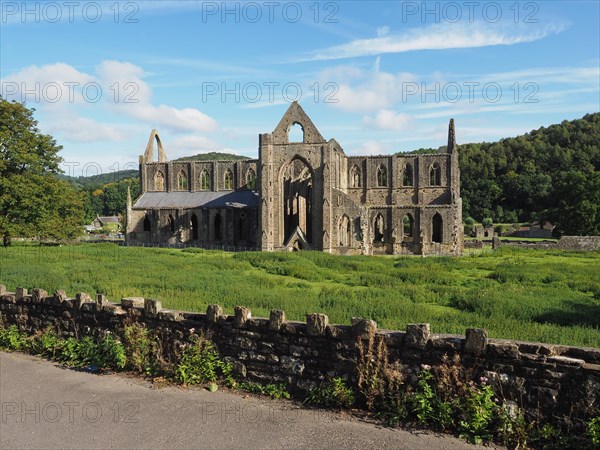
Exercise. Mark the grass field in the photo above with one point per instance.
(548, 296)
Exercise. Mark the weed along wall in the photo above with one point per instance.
(559, 384)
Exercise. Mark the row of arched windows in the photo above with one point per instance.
(205, 180)
(408, 228)
(435, 178)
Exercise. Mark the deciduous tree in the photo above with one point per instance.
(33, 201)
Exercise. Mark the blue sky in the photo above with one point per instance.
(379, 77)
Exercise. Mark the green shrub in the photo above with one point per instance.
(106, 353)
(200, 363)
(46, 344)
(335, 394)
(138, 344)
(511, 426)
(593, 431)
(12, 339)
(478, 411)
(427, 405)
(276, 391)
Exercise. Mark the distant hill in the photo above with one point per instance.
(101, 179)
(213, 156)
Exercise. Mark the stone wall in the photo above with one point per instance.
(590, 243)
(558, 383)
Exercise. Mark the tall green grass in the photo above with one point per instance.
(535, 295)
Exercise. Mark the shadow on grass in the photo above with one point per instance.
(574, 313)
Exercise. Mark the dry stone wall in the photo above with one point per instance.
(555, 382)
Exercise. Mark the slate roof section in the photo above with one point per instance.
(108, 219)
(204, 199)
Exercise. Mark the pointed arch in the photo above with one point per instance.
(251, 179)
(171, 223)
(407, 175)
(355, 176)
(241, 227)
(296, 198)
(204, 180)
(378, 228)
(194, 226)
(228, 180)
(408, 226)
(217, 225)
(147, 223)
(159, 181)
(182, 181)
(296, 132)
(382, 176)
(149, 153)
(435, 175)
(344, 236)
(437, 229)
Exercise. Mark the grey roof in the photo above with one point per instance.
(204, 199)
(109, 219)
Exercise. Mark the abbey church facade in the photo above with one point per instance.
(303, 195)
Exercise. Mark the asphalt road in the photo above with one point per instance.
(46, 406)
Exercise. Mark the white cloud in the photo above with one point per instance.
(368, 148)
(57, 83)
(388, 120)
(435, 37)
(383, 31)
(137, 100)
(82, 129)
(72, 96)
(190, 145)
(374, 90)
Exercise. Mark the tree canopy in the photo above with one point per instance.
(34, 202)
(548, 174)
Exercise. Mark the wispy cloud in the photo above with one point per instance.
(435, 37)
(388, 120)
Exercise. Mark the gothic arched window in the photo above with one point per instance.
(228, 179)
(435, 175)
(182, 181)
(205, 180)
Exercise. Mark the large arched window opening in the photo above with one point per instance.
(379, 229)
(296, 133)
(407, 175)
(408, 225)
(194, 226)
(182, 181)
(355, 176)
(344, 231)
(357, 229)
(171, 223)
(435, 175)
(159, 181)
(241, 227)
(205, 180)
(228, 179)
(147, 223)
(297, 199)
(437, 229)
(382, 177)
(251, 179)
(217, 223)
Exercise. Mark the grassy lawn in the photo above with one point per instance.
(535, 295)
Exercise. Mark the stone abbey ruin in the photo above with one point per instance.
(303, 195)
